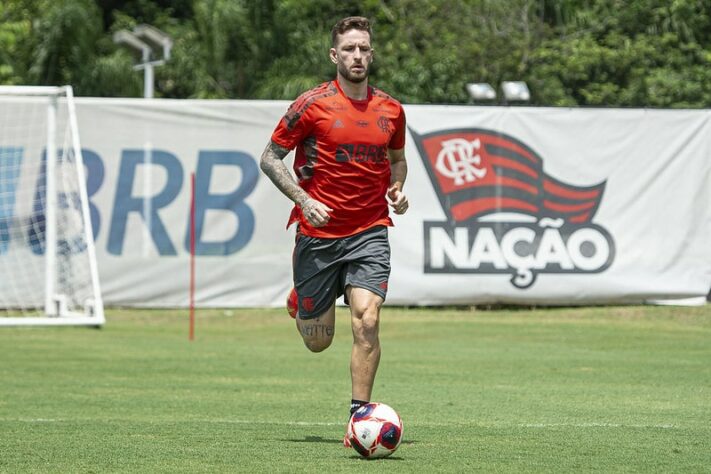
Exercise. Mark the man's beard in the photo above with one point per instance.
(350, 76)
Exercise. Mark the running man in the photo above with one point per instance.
(350, 163)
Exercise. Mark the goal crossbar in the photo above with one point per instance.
(33, 90)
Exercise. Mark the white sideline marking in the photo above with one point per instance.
(594, 425)
(34, 420)
(283, 423)
(237, 422)
(334, 423)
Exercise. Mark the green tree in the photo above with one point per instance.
(16, 40)
(67, 34)
(635, 53)
(571, 52)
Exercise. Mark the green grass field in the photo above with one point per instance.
(619, 389)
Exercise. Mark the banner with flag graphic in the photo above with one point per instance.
(478, 172)
(507, 204)
(482, 176)
(557, 206)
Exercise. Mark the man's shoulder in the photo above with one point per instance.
(384, 96)
(302, 103)
(321, 91)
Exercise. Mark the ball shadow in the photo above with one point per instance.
(314, 439)
(387, 459)
(321, 439)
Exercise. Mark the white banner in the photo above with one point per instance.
(148, 149)
(595, 206)
(508, 204)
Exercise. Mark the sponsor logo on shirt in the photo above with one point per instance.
(361, 153)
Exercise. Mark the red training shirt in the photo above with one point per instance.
(342, 155)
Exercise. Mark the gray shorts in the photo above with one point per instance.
(324, 267)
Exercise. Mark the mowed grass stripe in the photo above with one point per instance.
(619, 389)
(592, 424)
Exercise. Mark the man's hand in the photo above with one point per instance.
(398, 200)
(316, 212)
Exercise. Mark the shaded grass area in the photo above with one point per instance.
(614, 389)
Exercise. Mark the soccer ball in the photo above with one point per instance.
(375, 430)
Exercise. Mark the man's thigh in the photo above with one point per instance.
(368, 265)
(316, 275)
(322, 326)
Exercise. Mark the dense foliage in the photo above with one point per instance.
(654, 53)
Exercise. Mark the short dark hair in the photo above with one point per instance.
(350, 23)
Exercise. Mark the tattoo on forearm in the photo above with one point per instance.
(273, 166)
(278, 151)
(317, 330)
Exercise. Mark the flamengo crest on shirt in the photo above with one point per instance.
(504, 213)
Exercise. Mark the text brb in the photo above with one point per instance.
(125, 203)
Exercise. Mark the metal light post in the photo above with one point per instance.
(151, 43)
(146, 40)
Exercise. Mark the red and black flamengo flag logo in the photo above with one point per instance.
(504, 213)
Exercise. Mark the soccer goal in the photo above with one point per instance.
(48, 271)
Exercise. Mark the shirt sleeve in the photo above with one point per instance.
(293, 127)
(398, 139)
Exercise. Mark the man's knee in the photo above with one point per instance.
(365, 306)
(317, 344)
(368, 321)
(366, 326)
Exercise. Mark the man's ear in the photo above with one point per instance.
(332, 54)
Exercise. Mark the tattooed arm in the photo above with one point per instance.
(272, 164)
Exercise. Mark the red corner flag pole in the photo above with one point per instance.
(192, 256)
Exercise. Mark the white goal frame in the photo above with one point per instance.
(56, 311)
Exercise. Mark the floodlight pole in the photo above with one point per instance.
(147, 66)
(144, 39)
(148, 81)
(147, 73)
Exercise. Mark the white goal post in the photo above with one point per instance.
(48, 271)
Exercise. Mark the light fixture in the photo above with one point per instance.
(147, 40)
(481, 91)
(155, 37)
(515, 91)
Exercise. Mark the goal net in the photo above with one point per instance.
(48, 269)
